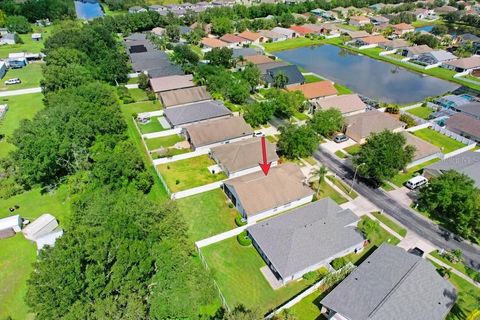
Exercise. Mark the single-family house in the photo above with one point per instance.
(467, 163)
(348, 104)
(157, 8)
(402, 28)
(197, 112)
(415, 51)
(36, 36)
(41, 226)
(171, 83)
(424, 14)
(12, 223)
(471, 109)
(211, 43)
(184, 30)
(293, 74)
(316, 28)
(464, 125)
(207, 27)
(465, 38)
(315, 91)
(325, 14)
(356, 34)
(242, 157)
(395, 44)
(136, 9)
(184, 96)
(379, 20)
(368, 42)
(3, 69)
(391, 284)
(301, 30)
(306, 239)
(358, 21)
(252, 37)
(445, 10)
(233, 40)
(217, 132)
(424, 151)
(7, 38)
(245, 52)
(256, 60)
(359, 126)
(272, 36)
(48, 239)
(288, 33)
(464, 64)
(264, 67)
(452, 101)
(258, 196)
(435, 58)
(17, 60)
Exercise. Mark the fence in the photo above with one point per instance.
(222, 236)
(452, 135)
(162, 133)
(220, 294)
(157, 113)
(182, 156)
(197, 190)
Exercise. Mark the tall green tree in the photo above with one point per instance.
(319, 174)
(18, 24)
(222, 25)
(280, 80)
(327, 122)
(220, 57)
(297, 141)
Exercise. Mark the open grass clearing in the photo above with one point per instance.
(30, 75)
(402, 177)
(390, 223)
(327, 192)
(342, 186)
(163, 142)
(446, 144)
(460, 266)
(189, 173)
(421, 112)
(140, 107)
(28, 44)
(207, 214)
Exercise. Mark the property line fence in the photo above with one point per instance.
(452, 135)
(222, 236)
(182, 156)
(220, 294)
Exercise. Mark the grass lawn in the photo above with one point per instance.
(327, 191)
(30, 76)
(138, 94)
(400, 179)
(423, 23)
(390, 223)
(301, 116)
(291, 44)
(140, 107)
(17, 254)
(342, 89)
(309, 307)
(353, 150)
(152, 126)
(237, 272)
(272, 139)
(387, 187)
(207, 214)
(446, 144)
(309, 78)
(165, 142)
(460, 266)
(132, 81)
(19, 108)
(421, 112)
(189, 173)
(348, 27)
(310, 160)
(29, 45)
(340, 154)
(340, 184)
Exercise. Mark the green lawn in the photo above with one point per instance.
(140, 107)
(17, 254)
(460, 266)
(163, 142)
(309, 78)
(152, 126)
(348, 27)
(340, 154)
(353, 150)
(342, 89)
(19, 108)
(446, 144)
(387, 187)
(189, 173)
(390, 223)
(30, 76)
(207, 214)
(29, 45)
(309, 307)
(342, 186)
(421, 112)
(138, 94)
(402, 177)
(328, 192)
(291, 44)
(237, 272)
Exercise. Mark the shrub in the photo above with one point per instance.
(312, 275)
(338, 263)
(244, 239)
(177, 181)
(408, 120)
(239, 221)
(151, 95)
(393, 109)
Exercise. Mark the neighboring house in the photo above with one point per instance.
(184, 30)
(415, 51)
(453, 101)
(245, 52)
(272, 36)
(258, 59)
(7, 38)
(445, 9)
(464, 64)
(136, 9)
(358, 21)
(301, 30)
(359, 126)
(252, 37)
(423, 14)
(217, 132)
(3, 69)
(379, 20)
(424, 151)
(402, 28)
(391, 284)
(264, 67)
(171, 83)
(348, 104)
(17, 59)
(368, 42)
(197, 112)
(306, 239)
(233, 40)
(183, 96)
(211, 43)
(471, 109)
(465, 38)
(258, 196)
(41, 226)
(242, 157)
(294, 76)
(356, 34)
(395, 44)
(464, 125)
(435, 57)
(288, 33)
(13, 223)
(315, 91)
(467, 163)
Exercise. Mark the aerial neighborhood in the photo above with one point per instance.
(237, 159)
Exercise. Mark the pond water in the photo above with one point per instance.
(424, 28)
(369, 77)
(88, 9)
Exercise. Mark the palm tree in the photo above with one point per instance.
(319, 174)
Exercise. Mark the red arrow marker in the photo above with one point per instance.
(265, 165)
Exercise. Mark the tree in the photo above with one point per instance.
(453, 199)
(3, 19)
(297, 141)
(392, 108)
(428, 39)
(408, 120)
(252, 75)
(439, 30)
(368, 28)
(383, 156)
(286, 20)
(195, 36)
(18, 24)
(327, 122)
(319, 174)
(465, 50)
(172, 32)
(259, 113)
(240, 312)
(143, 81)
(286, 102)
(280, 80)
(184, 55)
(220, 57)
(222, 25)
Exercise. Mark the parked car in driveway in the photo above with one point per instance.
(416, 182)
(340, 138)
(13, 81)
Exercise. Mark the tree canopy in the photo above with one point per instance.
(297, 141)
(327, 122)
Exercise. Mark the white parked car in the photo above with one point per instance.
(416, 182)
(13, 81)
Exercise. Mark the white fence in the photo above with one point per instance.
(197, 190)
(221, 236)
(183, 156)
(162, 133)
(157, 113)
(384, 53)
(458, 151)
(452, 135)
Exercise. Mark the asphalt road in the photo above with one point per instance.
(406, 216)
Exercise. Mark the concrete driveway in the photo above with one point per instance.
(401, 195)
(333, 147)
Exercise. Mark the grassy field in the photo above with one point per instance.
(163, 142)
(19, 108)
(390, 223)
(446, 144)
(309, 78)
(291, 44)
(402, 177)
(17, 254)
(138, 94)
(460, 266)
(207, 214)
(421, 112)
(342, 89)
(29, 45)
(189, 173)
(237, 272)
(342, 186)
(30, 76)
(327, 191)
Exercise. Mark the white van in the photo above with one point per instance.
(416, 182)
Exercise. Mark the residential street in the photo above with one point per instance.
(414, 222)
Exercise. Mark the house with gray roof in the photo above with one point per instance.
(180, 97)
(294, 75)
(245, 52)
(467, 163)
(391, 284)
(471, 109)
(196, 113)
(464, 125)
(435, 57)
(306, 238)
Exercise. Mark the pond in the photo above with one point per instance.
(369, 77)
(88, 9)
(424, 28)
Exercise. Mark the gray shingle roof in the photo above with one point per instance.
(291, 71)
(472, 109)
(392, 284)
(306, 236)
(467, 163)
(196, 112)
(245, 52)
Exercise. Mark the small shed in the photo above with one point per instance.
(12, 222)
(36, 36)
(43, 225)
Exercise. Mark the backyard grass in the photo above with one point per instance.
(402, 177)
(30, 75)
(19, 108)
(237, 272)
(29, 45)
(140, 107)
(17, 254)
(353, 150)
(460, 266)
(348, 27)
(340, 154)
(342, 89)
(421, 112)
(189, 173)
(309, 308)
(390, 223)
(446, 144)
(291, 44)
(342, 186)
(207, 214)
(152, 126)
(309, 78)
(163, 142)
(328, 192)
(301, 116)
(138, 94)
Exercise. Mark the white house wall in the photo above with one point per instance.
(274, 211)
